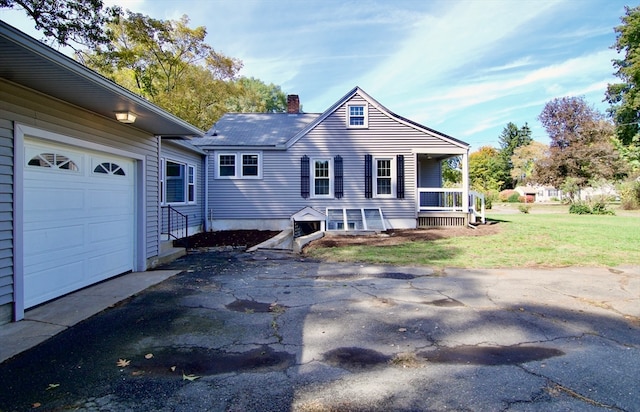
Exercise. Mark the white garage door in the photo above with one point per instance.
(78, 219)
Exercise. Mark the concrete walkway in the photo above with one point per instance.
(47, 320)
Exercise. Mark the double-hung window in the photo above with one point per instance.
(384, 181)
(357, 116)
(239, 166)
(178, 182)
(322, 175)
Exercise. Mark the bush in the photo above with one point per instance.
(526, 199)
(630, 195)
(600, 208)
(505, 194)
(580, 208)
(524, 208)
(597, 208)
(514, 198)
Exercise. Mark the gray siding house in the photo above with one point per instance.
(79, 190)
(357, 166)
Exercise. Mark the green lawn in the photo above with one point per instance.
(536, 239)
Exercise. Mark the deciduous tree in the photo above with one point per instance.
(524, 160)
(70, 23)
(581, 144)
(170, 64)
(624, 97)
(485, 167)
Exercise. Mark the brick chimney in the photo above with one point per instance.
(293, 104)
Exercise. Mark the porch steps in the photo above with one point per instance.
(168, 253)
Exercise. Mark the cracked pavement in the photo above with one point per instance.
(269, 331)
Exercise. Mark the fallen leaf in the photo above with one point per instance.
(402, 330)
(36, 405)
(52, 386)
(137, 373)
(122, 363)
(189, 377)
(173, 369)
(148, 356)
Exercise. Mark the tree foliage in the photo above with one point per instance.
(452, 172)
(254, 96)
(485, 165)
(624, 97)
(170, 64)
(524, 160)
(69, 22)
(581, 145)
(510, 139)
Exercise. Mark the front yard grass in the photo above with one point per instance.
(524, 240)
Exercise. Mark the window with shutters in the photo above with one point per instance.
(322, 177)
(384, 177)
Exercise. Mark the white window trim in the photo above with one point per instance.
(163, 182)
(238, 172)
(312, 174)
(393, 177)
(366, 116)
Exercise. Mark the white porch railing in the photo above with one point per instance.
(438, 199)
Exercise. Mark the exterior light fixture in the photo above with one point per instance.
(125, 117)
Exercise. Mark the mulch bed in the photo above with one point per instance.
(246, 238)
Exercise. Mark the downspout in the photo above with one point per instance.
(207, 223)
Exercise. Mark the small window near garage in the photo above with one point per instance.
(178, 182)
(357, 116)
(109, 169)
(54, 161)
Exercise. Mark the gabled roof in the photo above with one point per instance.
(32, 64)
(377, 105)
(255, 129)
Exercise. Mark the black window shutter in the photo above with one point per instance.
(368, 176)
(304, 176)
(337, 175)
(400, 177)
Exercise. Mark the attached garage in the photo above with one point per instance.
(78, 217)
(79, 182)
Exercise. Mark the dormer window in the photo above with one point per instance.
(357, 116)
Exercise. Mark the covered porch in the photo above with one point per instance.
(438, 206)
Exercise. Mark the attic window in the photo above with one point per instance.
(53, 160)
(357, 116)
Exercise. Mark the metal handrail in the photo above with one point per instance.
(177, 225)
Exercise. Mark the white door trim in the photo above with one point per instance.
(20, 130)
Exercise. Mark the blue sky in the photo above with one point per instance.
(465, 68)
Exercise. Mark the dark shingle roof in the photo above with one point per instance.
(255, 129)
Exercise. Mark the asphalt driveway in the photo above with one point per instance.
(269, 331)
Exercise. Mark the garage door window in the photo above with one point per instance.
(109, 169)
(54, 161)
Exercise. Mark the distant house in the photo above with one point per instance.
(79, 190)
(357, 165)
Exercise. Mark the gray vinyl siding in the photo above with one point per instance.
(173, 152)
(34, 109)
(277, 194)
(6, 220)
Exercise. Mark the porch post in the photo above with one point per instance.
(465, 184)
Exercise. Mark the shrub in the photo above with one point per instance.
(524, 208)
(580, 208)
(514, 198)
(505, 194)
(630, 195)
(600, 208)
(526, 199)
